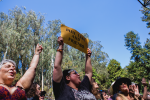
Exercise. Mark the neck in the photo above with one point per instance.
(126, 94)
(5, 83)
(72, 86)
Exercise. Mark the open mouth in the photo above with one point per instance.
(11, 73)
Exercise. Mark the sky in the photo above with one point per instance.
(103, 20)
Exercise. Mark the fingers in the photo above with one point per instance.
(60, 40)
(40, 47)
(143, 80)
(89, 52)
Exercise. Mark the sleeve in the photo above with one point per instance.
(86, 83)
(58, 88)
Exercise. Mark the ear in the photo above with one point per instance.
(68, 78)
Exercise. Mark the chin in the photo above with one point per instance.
(11, 78)
(124, 90)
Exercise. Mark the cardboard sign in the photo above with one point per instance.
(74, 38)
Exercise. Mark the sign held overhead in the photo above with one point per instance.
(74, 38)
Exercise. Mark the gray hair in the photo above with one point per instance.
(5, 61)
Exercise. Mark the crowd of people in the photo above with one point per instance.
(67, 84)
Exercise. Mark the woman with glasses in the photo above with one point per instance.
(121, 89)
(67, 84)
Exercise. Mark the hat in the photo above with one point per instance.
(111, 88)
(119, 81)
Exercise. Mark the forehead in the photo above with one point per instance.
(8, 63)
(72, 72)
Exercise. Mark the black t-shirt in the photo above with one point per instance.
(64, 92)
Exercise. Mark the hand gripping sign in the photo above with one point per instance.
(74, 38)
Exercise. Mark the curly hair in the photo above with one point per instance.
(32, 91)
(95, 91)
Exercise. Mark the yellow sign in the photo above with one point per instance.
(74, 38)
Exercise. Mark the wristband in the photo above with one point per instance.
(60, 50)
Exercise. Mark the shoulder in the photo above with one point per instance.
(118, 98)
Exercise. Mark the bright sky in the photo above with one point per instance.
(104, 20)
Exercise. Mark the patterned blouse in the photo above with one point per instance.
(18, 94)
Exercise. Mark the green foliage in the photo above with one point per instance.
(114, 70)
(140, 65)
(146, 17)
(20, 31)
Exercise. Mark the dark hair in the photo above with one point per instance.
(119, 81)
(32, 91)
(65, 73)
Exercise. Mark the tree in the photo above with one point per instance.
(114, 70)
(146, 17)
(139, 67)
(20, 31)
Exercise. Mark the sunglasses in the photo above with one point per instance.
(72, 71)
(122, 82)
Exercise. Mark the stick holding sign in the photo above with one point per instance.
(74, 38)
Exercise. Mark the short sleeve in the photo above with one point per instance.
(58, 88)
(86, 83)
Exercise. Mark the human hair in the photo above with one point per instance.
(32, 90)
(5, 61)
(94, 90)
(65, 73)
(122, 96)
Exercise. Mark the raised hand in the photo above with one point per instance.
(60, 40)
(38, 49)
(89, 52)
(136, 89)
(144, 82)
(131, 90)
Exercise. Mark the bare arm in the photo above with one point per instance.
(145, 89)
(57, 72)
(88, 65)
(27, 79)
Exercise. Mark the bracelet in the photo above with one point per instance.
(60, 50)
(36, 54)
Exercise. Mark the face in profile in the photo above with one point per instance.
(38, 90)
(75, 77)
(95, 85)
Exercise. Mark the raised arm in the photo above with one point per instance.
(88, 65)
(57, 72)
(27, 79)
(145, 89)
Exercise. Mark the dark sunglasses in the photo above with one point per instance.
(122, 82)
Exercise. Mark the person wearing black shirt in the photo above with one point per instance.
(67, 84)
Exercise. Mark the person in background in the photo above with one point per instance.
(110, 91)
(145, 93)
(121, 89)
(34, 93)
(94, 89)
(104, 95)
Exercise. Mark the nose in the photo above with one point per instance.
(12, 67)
